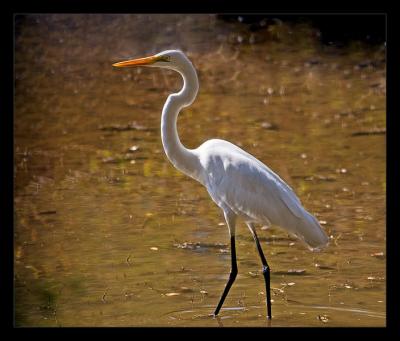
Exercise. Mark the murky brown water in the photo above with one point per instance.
(107, 236)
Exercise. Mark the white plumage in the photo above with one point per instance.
(238, 183)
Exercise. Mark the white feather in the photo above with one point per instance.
(238, 181)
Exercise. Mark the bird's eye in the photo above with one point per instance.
(165, 58)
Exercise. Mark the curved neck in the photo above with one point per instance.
(182, 158)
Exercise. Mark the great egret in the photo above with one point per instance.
(237, 182)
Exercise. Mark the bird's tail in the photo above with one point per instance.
(312, 233)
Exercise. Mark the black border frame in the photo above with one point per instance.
(7, 168)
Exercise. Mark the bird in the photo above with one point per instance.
(239, 184)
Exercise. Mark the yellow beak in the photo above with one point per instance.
(137, 62)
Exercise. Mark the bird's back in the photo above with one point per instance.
(238, 180)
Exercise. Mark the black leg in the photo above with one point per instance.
(265, 273)
(232, 276)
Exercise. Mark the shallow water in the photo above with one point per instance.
(108, 236)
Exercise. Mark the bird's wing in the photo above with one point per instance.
(238, 181)
(251, 180)
(248, 186)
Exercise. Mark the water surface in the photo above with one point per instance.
(108, 233)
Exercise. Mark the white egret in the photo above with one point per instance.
(237, 182)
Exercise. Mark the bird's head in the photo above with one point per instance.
(170, 59)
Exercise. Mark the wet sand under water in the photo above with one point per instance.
(108, 233)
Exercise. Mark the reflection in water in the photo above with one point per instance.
(220, 324)
(108, 233)
(351, 310)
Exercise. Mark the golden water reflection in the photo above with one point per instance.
(110, 235)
